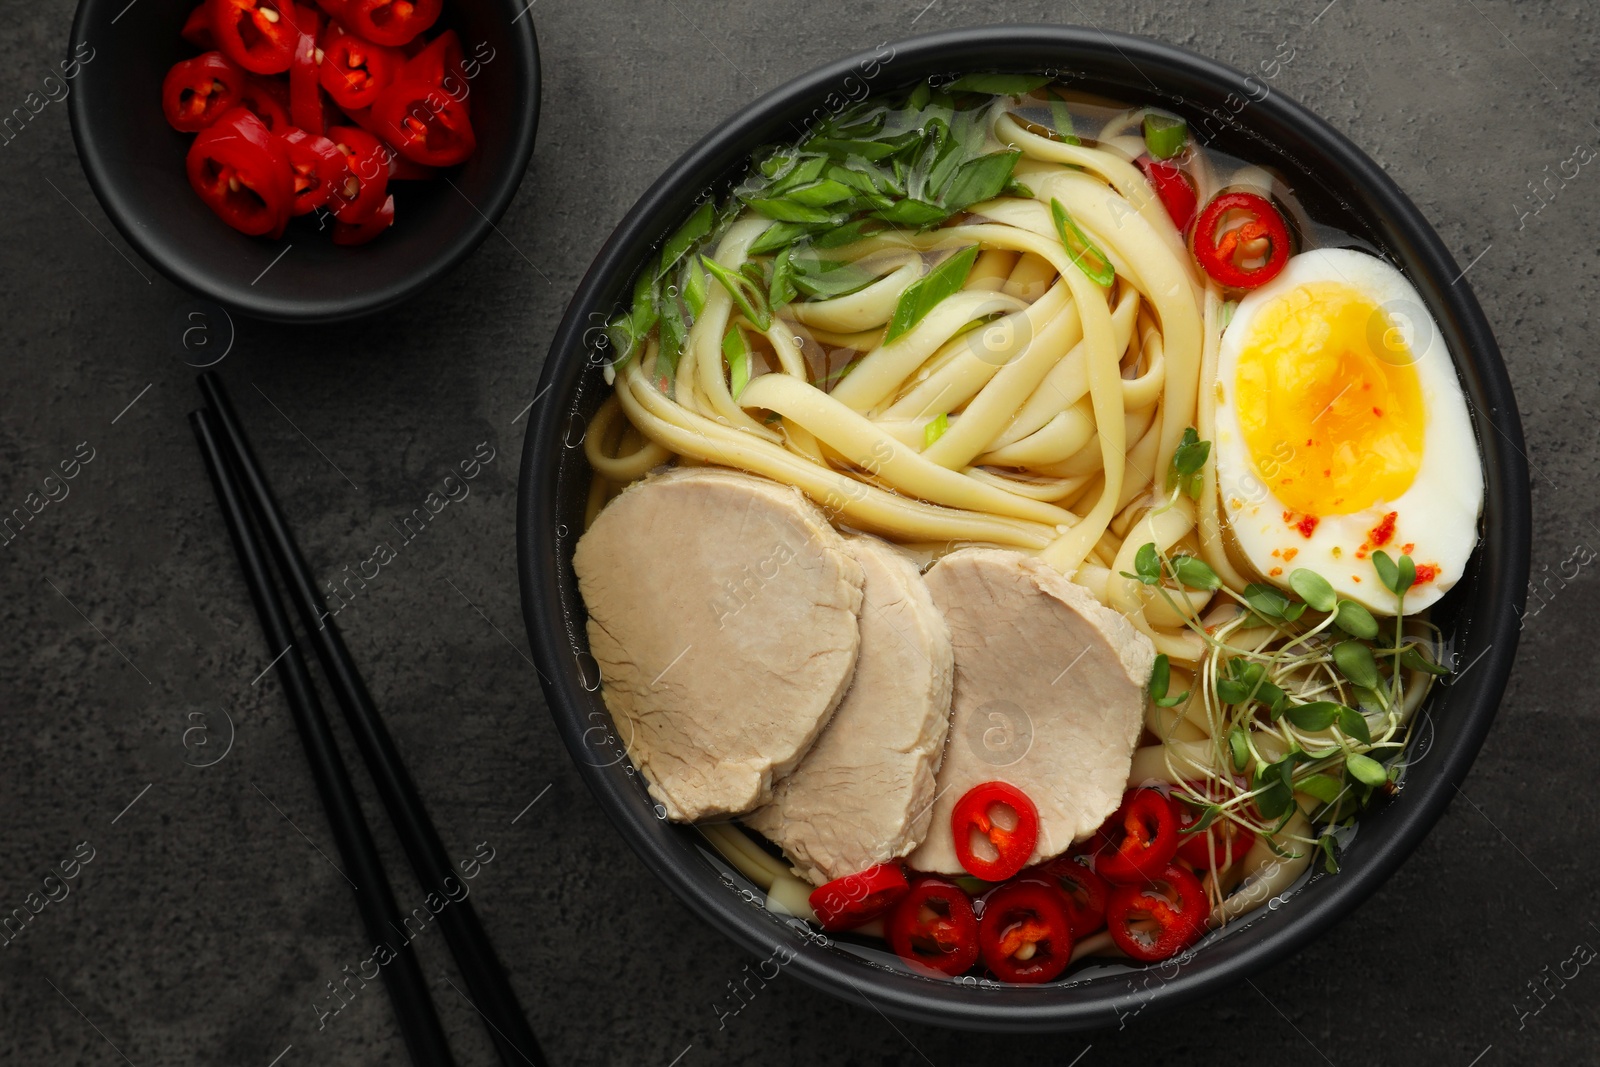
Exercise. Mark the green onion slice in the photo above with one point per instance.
(1164, 135)
(1093, 262)
(923, 295)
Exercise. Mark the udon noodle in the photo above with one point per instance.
(1033, 409)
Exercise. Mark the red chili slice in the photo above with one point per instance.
(933, 925)
(1175, 189)
(268, 101)
(440, 59)
(1224, 841)
(1084, 892)
(317, 168)
(259, 35)
(425, 124)
(1140, 839)
(355, 71)
(197, 91)
(1025, 934)
(362, 189)
(1011, 840)
(1158, 920)
(1241, 240)
(305, 96)
(845, 903)
(359, 233)
(197, 29)
(390, 22)
(242, 173)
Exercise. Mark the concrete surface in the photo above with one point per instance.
(209, 918)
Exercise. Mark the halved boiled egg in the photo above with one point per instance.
(1341, 430)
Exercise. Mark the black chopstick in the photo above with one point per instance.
(487, 985)
(408, 990)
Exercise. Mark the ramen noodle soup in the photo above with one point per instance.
(1043, 512)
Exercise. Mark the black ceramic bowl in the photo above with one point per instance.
(134, 162)
(1337, 184)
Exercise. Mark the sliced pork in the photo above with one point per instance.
(864, 793)
(723, 615)
(1049, 696)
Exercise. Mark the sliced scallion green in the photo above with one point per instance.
(998, 84)
(678, 245)
(923, 295)
(980, 179)
(783, 209)
(1164, 135)
(1089, 259)
(827, 278)
(782, 290)
(744, 292)
(781, 235)
(674, 332)
(694, 289)
(1062, 117)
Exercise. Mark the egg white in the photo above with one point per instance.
(1437, 513)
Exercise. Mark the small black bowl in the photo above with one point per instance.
(1337, 184)
(119, 54)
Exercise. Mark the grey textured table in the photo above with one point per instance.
(209, 918)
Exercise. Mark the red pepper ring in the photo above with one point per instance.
(317, 168)
(1084, 893)
(390, 22)
(305, 95)
(933, 927)
(1025, 934)
(973, 820)
(197, 29)
(359, 233)
(1174, 188)
(1140, 839)
(1241, 240)
(259, 35)
(858, 898)
(1158, 920)
(355, 71)
(364, 186)
(425, 124)
(197, 91)
(441, 59)
(242, 173)
(268, 101)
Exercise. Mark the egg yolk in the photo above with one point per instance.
(1329, 402)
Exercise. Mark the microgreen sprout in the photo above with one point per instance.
(1187, 469)
(1305, 706)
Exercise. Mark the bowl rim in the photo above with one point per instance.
(1503, 553)
(181, 271)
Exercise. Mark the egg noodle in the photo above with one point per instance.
(1035, 408)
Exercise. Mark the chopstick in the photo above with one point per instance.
(408, 990)
(488, 988)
